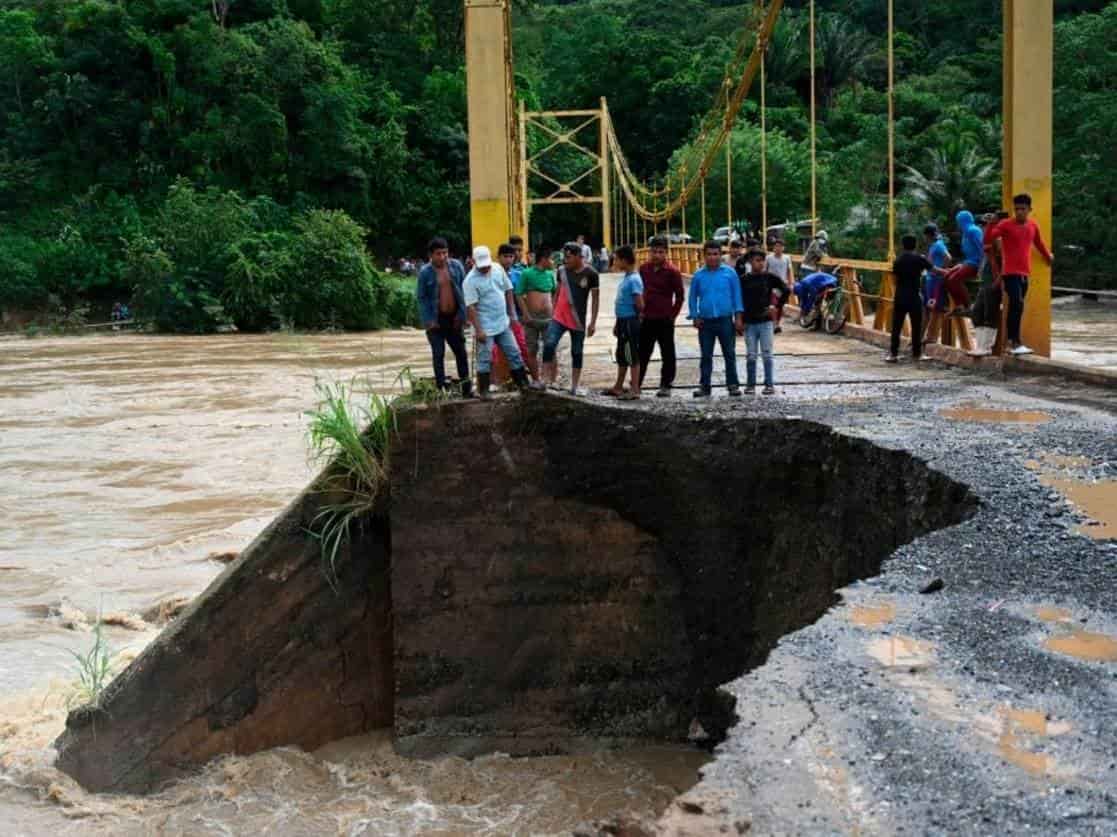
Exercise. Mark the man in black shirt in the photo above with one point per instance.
(908, 272)
(761, 294)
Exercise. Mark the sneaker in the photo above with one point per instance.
(578, 392)
(769, 389)
(925, 357)
(891, 359)
(750, 389)
(701, 392)
(663, 392)
(734, 392)
(539, 385)
(1021, 350)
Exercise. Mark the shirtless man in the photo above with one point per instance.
(442, 312)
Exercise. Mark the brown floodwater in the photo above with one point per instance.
(132, 464)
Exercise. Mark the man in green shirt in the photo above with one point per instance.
(535, 293)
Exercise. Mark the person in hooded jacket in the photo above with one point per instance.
(973, 252)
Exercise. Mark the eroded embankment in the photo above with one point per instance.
(562, 575)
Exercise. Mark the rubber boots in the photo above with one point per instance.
(467, 389)
(520, 377)
(483, 381)
(984, 338)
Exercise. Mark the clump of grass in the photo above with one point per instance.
(419, 390)
(94, 671)
(354, 440)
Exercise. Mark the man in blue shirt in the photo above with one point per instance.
(809, 287)
(488, 298)
(629, 311)
(973, 251)
(934, 285)
(716, 311)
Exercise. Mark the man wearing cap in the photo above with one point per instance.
(488, 299)
(578, 284)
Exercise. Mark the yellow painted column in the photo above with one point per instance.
(487, 58)
(1028, 80)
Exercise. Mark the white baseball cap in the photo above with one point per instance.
(482, 256)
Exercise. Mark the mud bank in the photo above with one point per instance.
(550, 575)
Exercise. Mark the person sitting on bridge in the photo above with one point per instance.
(663, 300)
(761, 293)
(809, 287)
(934, 287)
(973, 251)
(535, 292)
(715, 302)
(908, 270)
(442, 312)
(816, 252)
(488, 298)
(1017, 236)
(778, 263)
(628, 308)
(578, 283)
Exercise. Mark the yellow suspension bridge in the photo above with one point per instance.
(501, 159)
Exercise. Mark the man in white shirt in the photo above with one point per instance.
(488, 300)
(778, 264)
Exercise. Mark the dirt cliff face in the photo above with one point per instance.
(565, 574)
(552, 575)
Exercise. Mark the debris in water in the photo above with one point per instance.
(222, 557)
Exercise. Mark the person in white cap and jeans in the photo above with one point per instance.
(488, 300)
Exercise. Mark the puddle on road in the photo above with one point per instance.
(1054, 614)
(873, 616)
(1085, 645)
(1096, 500)
(1032, 723)
(974, 412)
(901, 652)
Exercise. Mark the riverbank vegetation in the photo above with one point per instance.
(238, 163)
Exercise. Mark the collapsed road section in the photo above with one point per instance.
(545, 575)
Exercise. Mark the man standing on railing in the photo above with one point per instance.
(1017, 236)
(717, 313)
(663, 300)
(973, 251)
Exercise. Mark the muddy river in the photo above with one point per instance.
(131, 465)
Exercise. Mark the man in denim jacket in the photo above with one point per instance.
(442, 312)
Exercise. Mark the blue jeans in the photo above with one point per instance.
(721, 330)
(507, 342)
(759, 335)
(550, 343)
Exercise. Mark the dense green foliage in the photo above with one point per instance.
(236, 162)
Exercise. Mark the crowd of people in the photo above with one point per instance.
(523, 311)
(998, 249)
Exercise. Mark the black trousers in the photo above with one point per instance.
(663, 333)
(908, 304)
(448, 331)
(1016, 286)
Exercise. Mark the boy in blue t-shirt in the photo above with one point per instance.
(629, 309)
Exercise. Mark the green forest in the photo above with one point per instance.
(258, 162)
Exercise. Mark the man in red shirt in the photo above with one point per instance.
(1017, 236)
(663, 299)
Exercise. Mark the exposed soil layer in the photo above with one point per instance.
(562, 575)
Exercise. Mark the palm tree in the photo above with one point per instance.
(958, 175)
(842, 51)
(785, 60)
